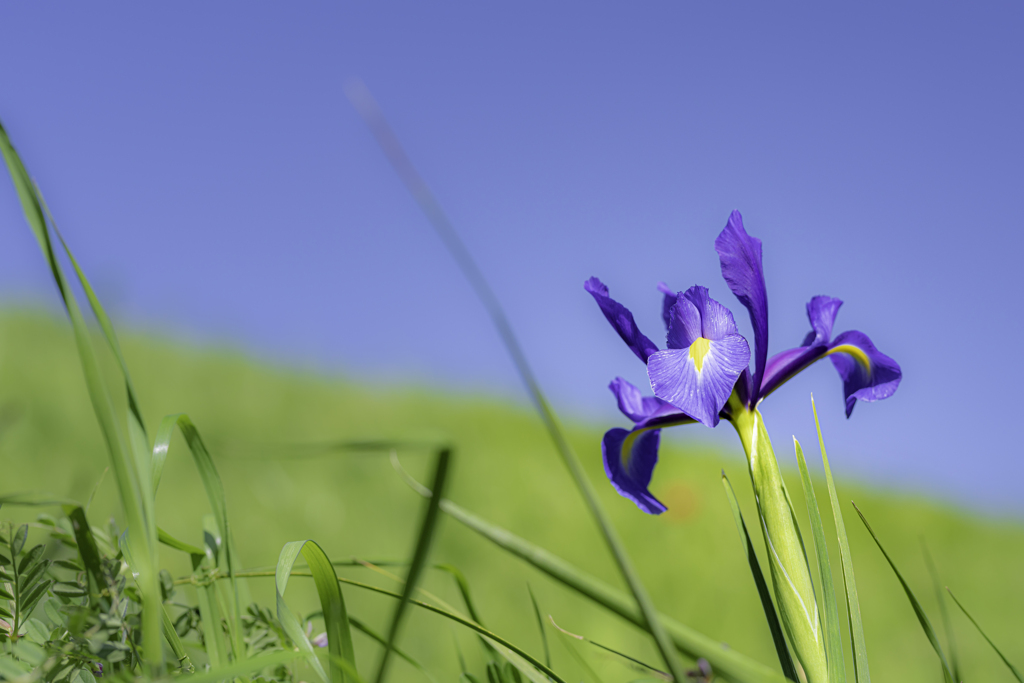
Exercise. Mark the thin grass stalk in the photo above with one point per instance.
(724, 660)
(1016, 674)
(419, 558)
(367, 107)
(922, 618)
(857, 640)
(947, 625)
(830, 606)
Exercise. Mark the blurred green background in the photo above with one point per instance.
(260, 422)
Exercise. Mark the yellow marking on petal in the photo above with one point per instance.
(855, 351)
(627, 447)
(627, 443)
(698, 350)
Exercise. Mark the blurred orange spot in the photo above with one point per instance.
(682, 501)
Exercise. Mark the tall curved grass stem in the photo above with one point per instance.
(367, 107)
(128, 452)
(419, 558)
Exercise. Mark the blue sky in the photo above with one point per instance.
(210, 174)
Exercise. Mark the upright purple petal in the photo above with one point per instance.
(716, 321)
(629, 460)
(668, 302)
(740, 256)
(633, 404)
(684, 324)
(867, 373)
(699, 382)
(821, 311)
(621, 319)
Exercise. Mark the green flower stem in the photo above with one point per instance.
(791, 576)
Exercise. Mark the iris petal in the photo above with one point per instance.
(621, 319)
(684, 326)
(867, 373)
(699, 393)
(668, 302)
(821, 311)
(740, 256)
(874, 380)
(630, 471)
(716, 320)
(633, 404)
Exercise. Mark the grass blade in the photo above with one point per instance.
(628, 660)
(567, 638)
(918, 610)
(727, 662)
(209, 619)
(135, 413)
(184, 663)
(947, 624)
(860, 653)
(778, 637)
(368, 109)
(195, 553)
(419, 558)
(1006, 661)
(214, 488)
(339, 636)
(830, 612)
(540, 626)
(87, 549)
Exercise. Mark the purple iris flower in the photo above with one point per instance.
(707, 361)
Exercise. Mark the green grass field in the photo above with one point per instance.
(262, 424)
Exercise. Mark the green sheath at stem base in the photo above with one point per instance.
(791, 576)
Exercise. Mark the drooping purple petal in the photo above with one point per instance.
(629, 460)
(867, 373)
(699, 385)
(668, 302)
(684, 325)
(784, 366)
(716, 321)
(621, 319)
(821, 312)
(740, 256)
(633, 404)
